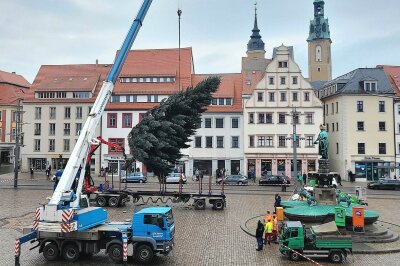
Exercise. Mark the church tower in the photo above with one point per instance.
(255, 46)
(319, 45)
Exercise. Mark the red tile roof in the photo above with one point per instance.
(57, 77)
(230, 87)
(10, 94)
(14, 79)
(249, 85)
(393, 73)
(156, 63)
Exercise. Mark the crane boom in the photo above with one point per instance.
(84, 141)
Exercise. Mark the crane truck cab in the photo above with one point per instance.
(317, 242)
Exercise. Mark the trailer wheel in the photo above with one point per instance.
(51, 252)
(71, 252)
(218, 205)
(336, 256)
(294, 256)
(115, 253)
(113, 202)
(144, 254)
(101, 201)
(200, 204)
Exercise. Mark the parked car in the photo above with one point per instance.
(273, 180)
(234, 179)
(384, 184)
(174, 178)
(136, 177)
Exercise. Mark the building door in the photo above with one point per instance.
(281, 167)
(205, 166)
(266, 167)
(235, 167)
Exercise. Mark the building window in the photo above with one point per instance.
(361, 148)
(67, 112)
(156, 98)
(296, 119)
(52, 113)
(283, 96)
(337, 148)
(282, 141)
(78, 129)
(381, 106)
(219, 123)
(112, 120)
(228, 101)
(309, 118)
(52, 144)
(360, 125)
(126, 120)
(214, 101)
(370, 86)
(333, 127)
(271, 80)
(207, 123)
(134, 98)
(67, 129)
(220, 142)
(78, 112)
(327, 109)
(261, 118)
(52, 129)
(197, 142)
(382, 148)
(260, 96)
(282, 118)
(251, 141)
(318, 54)
(319, 69)
(333, 108)
(36, 146)
(115, 99)
(283, 80)
(327, 127)
(294, 80)
(282, 64)
(149, 98)
(251, 118)
(38, 128)
(272, 96)
(235, 122)
(1, 115)
(118, 141)
(337, 107)
(295, 96)
(337, 126)
(360, 106)
(82, 94)
(38, 112)
(382, 126)
(261, 141)
(141, 116)
(306, 96)
(309, 141)
(221, 101)
(269, 141)
(268, 118)
(66, 144)
(209, 141)
(235, 142)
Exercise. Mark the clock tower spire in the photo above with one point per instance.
(319, 45)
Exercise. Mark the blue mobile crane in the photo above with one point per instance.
(68, 226)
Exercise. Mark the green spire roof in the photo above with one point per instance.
(319, 26)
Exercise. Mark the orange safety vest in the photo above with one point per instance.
(268, 217)
(275, 224)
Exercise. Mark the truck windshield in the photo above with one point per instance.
(170, 218)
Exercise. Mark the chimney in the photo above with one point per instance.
(13, 72)
(97, 62)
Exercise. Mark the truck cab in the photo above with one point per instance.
(292, 236)
(154, 226)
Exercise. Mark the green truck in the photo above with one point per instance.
(322, 241)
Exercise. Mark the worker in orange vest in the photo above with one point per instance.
(268, 217)
(275, 227)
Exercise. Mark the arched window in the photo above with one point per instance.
(318, 53)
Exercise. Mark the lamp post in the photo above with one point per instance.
(17, 143)
(295, 116)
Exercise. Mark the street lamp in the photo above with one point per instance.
(295, 116)
(17, 144)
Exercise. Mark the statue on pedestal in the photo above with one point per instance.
(322, 140)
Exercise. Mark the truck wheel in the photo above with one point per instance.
(336, 256)
(294, 256)
(71, 253)
(50, 252)
(218, 205)
(200, 204)
(144, 254)
(113, 202)
(101, 201)
(115, 253)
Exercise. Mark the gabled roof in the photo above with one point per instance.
(68, 78)
(156, 63)
(13, 79)
(393, 74)
(352, 82)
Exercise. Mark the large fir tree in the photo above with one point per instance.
(166, 129)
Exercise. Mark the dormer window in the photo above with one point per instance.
(282, 64)
(370, 85)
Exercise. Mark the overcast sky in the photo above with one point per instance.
(34, 33)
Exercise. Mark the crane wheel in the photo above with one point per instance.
(51, 252)
(101, 201)
(113, 202)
